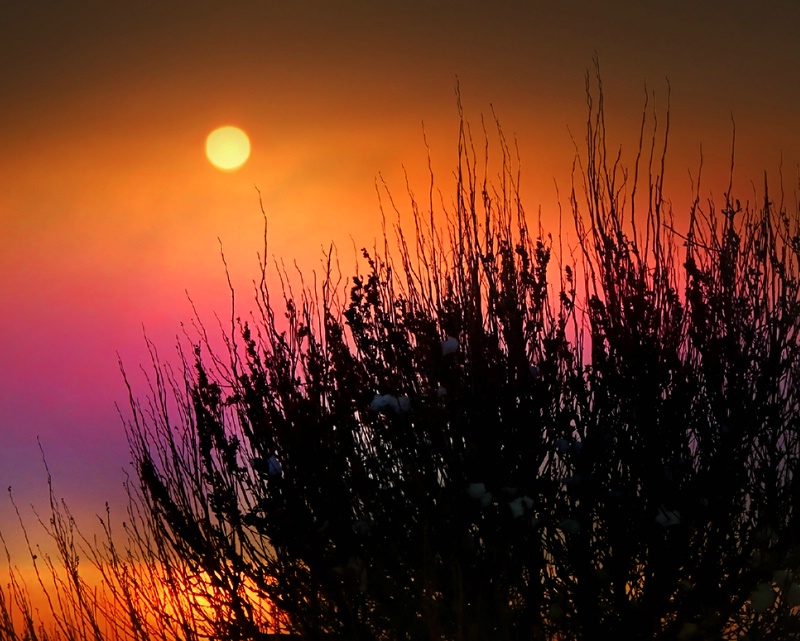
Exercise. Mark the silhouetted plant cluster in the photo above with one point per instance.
(471, 440)
(465, 450)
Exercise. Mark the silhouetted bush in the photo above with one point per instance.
(463, 450)
(475, 443)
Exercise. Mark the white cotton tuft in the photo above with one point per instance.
(449, 346)
(274, 467)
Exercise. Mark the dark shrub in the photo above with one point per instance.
(471, 448)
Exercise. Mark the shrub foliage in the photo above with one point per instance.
(470, 440)
(477, 441)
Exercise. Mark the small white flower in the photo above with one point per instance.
(274, 467)
(449, 346)
(666, 518)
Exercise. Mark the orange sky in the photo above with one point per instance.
(109, 210)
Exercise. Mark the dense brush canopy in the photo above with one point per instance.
(465, 450)
(479, 443)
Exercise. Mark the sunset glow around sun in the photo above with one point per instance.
(228, 148)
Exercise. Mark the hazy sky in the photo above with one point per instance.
(109, 210)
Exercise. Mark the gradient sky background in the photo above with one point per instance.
(109, 210)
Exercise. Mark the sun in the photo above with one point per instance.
(228, 148)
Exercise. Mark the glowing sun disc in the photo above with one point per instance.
(228, 148)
